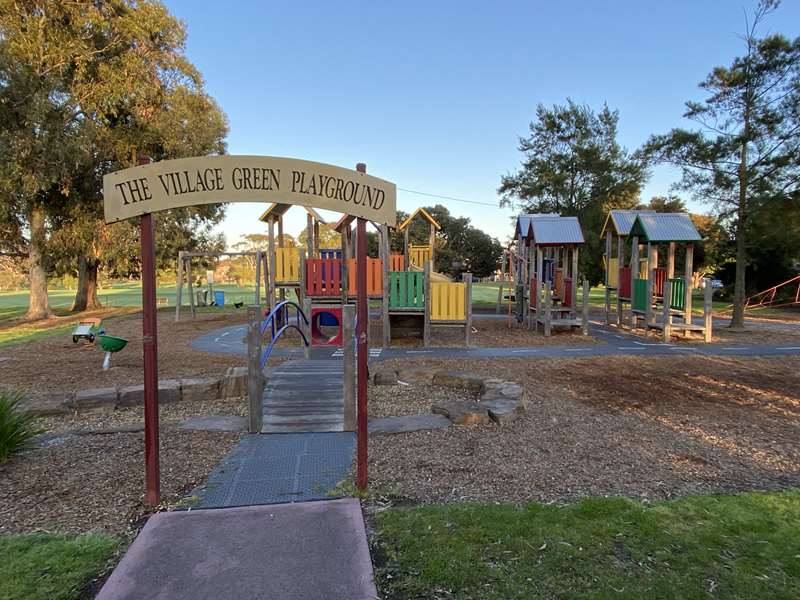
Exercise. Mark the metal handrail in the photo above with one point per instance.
(282, 309)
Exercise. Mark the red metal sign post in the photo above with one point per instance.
(150, 345)
(362, 318)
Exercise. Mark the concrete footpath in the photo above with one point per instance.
(308, 550)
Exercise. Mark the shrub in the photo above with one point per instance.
(17, 428)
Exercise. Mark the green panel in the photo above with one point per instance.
(406, 289)
(678, 300)
(639, 294)
(394, 300)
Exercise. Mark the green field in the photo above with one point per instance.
(743, 546)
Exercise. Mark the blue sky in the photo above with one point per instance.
(433, 95)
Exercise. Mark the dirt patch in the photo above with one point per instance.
(76, 483)
(641, 427)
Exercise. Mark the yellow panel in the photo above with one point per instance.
(287, 265)
(448, 301)
(419, 255)
(613, 272)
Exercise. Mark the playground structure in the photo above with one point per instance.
(185, 271)
(617, 227)
(416, 255)
(547, 273)
(652, 285)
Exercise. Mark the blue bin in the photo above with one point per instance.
(219, 298)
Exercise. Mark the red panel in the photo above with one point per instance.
(625, 282)
(567, 299)
(660, 276)
(318, 338)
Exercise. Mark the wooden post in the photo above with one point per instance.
(310, 235)
(426, 294)
(548, 303)
(265, 267)
(502, 282)
(620, 265)
(585, 308)
(386, 251)
(433, 245)
(671, 260)
(281, 240)
(301, 256)
(362, 310)
(190, 286)
(667, 323)
(150, 359)
(468, 307)
(258, 278)
(179, 287)
(273, 265)
(345, 266)
(255, 377)
(574, 274)
(307, 305)
(687, 315)
(648, 307)
(537, 294)
(316, 238)
(708, 292)
(349, 358)
(634, 266)
(407, 257)
(608, 270)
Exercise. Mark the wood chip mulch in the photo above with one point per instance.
(639, 427)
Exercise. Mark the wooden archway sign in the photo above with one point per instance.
(153, 187)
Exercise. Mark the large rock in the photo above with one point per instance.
(386, 425)
(462, 412)
(503, 411)
(132, 395)
(45, 406)
(419, 375)
(95, 398)
(199, 389)
(169, 390)
(385, 377)
(462, 381)
(234, 384)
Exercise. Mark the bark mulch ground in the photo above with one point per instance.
(55, 364)
(639, 427)
(95, 481)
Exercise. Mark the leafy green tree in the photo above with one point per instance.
(574, 166)
(85, 87)
(745, 153)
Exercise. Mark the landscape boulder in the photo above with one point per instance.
(95, 398)
(462, 412)
(385, 377)
(462, 381)
(169, 390)
(131, 395)
(199, 389)
(234, 384)
(503, 411)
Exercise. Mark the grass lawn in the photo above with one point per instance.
(50, 567)
(744, 546)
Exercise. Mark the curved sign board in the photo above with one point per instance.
(210, 179)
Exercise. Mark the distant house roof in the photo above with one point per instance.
(665, 227)
(523, 227)
(279, 210)
(425, 215)
(622, 220)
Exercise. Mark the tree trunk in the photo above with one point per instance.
(38, 303)
(737, 319)
(86, 296)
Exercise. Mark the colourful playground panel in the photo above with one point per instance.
(625, 282)
(323, 277)
(678, 294)
(613, 272)
(448, 301)
(640, 300)
(419, 255)
(659, 277)
(374, 277)
(406, 290)
(397, 262)
(287, 264)
(566, 300)
(559, 283)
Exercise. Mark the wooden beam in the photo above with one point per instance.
(255, 383)
(687, 315)
(468, 307)
(385, 257)
(179, 287)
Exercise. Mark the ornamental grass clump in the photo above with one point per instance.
(17, 428)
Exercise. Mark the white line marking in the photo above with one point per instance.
(645, 344)
(737, 348)
(224, 334)
(576, 349)
(525, 350)
(418, 351)
(630, 348)
(682, 348)
(789, 348)
(619, 337)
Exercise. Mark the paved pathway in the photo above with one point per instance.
(308, 551)
(613, 341)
